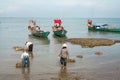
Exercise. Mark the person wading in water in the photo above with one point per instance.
(64, 56)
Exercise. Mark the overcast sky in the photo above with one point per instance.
(60, 8)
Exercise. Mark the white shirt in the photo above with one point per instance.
(24, 54)
(64, 53)
(28, 44)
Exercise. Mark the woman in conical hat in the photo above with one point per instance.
(64, 55)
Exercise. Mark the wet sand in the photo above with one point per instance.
(92, 42)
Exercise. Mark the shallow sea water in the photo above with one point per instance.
(45, 62)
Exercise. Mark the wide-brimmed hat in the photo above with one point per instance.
(64, 45)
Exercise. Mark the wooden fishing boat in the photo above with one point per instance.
(105, 28)
(40, 34)
(35, 30)
(59, 31)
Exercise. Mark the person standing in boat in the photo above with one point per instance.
(32, 24)
(90, 23)
(29, 46)
(37, 28)
(64, 56)
(59, 21)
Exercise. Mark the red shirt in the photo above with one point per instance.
(57, 21)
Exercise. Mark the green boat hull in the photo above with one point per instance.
(60, 33)
(40, 34)
(104, 29)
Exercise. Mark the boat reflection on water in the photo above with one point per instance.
(99, 33)
(59, 40)
(96, 33)
(41, 40)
